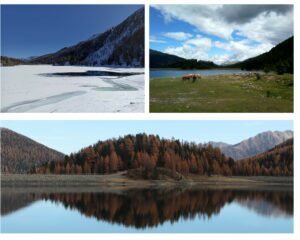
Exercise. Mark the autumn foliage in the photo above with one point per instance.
(275, 162)
(145, 152)
(148, 152)
(19, 154)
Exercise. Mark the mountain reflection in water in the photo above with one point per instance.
(152, 207)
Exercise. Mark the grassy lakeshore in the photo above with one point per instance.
(121, 180)
(223, 93)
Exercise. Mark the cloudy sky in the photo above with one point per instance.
(219, 33)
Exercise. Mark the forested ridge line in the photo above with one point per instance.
(147, 153)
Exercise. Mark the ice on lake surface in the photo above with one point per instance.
(46, 88)
(148, 210)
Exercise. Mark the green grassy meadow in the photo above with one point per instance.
(223, 93)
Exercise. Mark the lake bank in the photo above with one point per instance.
(120, 180)
(177, 72)
(223, 93)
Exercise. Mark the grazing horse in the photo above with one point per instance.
(196, 76)
(187, 77)
(192, 77)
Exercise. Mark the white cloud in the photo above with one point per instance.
(241, 50)
(260, 26)
(154, 39)
(263, 24)
(189, 52)
(200, 42)
(195, 48)
(269, 28)
(180, 36)
(199, 16)
(221, 59)
(235, 51)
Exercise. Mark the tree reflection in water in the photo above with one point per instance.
(151, 207)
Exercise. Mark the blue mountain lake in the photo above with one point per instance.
(147, 211)
(178, 73)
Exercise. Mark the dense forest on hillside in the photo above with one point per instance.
(164, 60)
(276, 162)
(20, 154)
(279, 59)
(194, 64)
(8, 61)
(160, 60)
(131, 49)
(145, 152)
(148, 153)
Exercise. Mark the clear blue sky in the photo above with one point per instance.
(33, 30)
(70, 136)
(158, 27)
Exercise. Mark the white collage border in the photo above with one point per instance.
(176, 116)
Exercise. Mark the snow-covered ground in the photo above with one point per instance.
(25, 88)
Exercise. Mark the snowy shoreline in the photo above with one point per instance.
(25, 88)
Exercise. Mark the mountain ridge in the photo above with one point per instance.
(253, 145)
(20, 154)
(164, 60)
(147, 154)
(276, 161)
(122, 45)
(279, 59)
(159, 59)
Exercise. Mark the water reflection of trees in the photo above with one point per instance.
(12, 201)
(149, 208)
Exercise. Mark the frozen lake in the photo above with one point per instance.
(46, 88)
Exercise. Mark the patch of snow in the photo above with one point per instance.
(23, 85)
(99, 57)
(94, 36)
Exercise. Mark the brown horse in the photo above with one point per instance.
(192, 77)
(187, 77)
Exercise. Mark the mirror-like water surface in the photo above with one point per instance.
(148, 210)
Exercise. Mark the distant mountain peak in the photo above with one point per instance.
(121, 45)
(253, 145)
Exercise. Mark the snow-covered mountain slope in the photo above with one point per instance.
(122, 45)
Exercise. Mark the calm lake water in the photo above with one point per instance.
(179, 73)
(151, 210)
